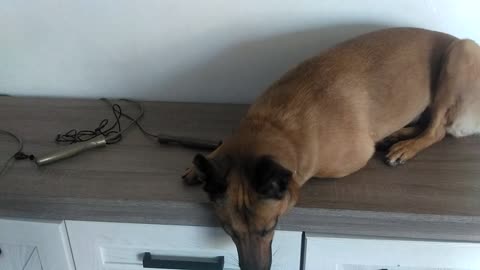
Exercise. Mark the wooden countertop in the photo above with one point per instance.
(437, 195)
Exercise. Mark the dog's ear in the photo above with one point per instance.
(213, 174)
(270, 178)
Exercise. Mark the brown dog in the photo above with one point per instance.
(324, 117)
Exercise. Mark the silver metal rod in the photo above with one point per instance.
(71, 150)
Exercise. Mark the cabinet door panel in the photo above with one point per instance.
(14, 256)
(337, 253)
(34, 262)
(46, 240)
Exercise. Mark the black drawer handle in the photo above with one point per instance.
(164, 262)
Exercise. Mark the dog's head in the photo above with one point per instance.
(249, 194)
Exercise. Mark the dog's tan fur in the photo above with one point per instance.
(324, 117)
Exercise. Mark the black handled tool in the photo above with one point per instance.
(200, 144)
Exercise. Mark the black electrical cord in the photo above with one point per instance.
(193, 143)
(137, 120)
(18, 155)
(112, 132)
(12, 157)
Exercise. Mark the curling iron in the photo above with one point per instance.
(101, 140)
(98, 141)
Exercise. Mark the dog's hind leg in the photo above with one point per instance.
(415, 128)
(400, 135)
(458, 94)
(402, 151)
(406, 133)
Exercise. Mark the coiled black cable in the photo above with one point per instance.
(18, 155)
(112, 132)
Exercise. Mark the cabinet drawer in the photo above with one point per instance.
(336, 253)
(112, 246)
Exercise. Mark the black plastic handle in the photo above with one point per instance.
(187, 142)
(183, 263)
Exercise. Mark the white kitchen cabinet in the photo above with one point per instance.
(119, 246)
(14, 256)
(338, 253)
(34, 245)
(34, 262)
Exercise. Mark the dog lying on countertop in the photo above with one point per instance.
(324, 117)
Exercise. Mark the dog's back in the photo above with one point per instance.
(386, 77)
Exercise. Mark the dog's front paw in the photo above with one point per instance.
(402, 151)
(190, 177)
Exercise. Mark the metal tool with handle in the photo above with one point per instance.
(71, 150)
(183, 263)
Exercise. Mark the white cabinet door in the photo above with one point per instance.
(34, 262)
(13, 256)
(119, 246)
(34, 245)
(336, 253)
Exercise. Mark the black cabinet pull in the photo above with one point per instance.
(164, 262)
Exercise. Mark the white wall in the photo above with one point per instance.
(210, 50)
